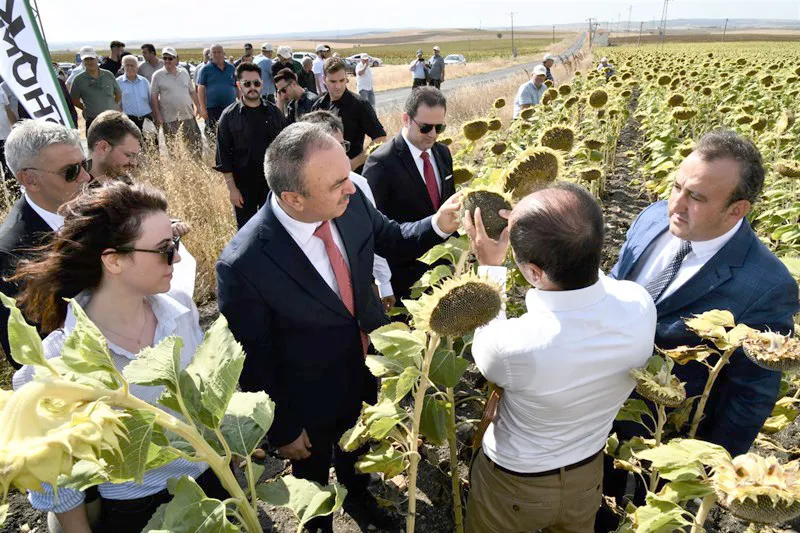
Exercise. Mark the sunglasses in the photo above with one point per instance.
(69, 173)
(283, 89)
(248, 84)
(426, 128)
(167, 58)
(168, 252)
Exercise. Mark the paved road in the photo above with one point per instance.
(396, 97)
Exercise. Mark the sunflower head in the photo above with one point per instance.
(593, 144)
(759, 124)
(527, 113)
(590, 174)
(664, 80)
(498, 148)
(675, 100)
(571, 101)
(475, 129)
(495, 124)
(656, 382)
(447, 141)
(772, 350)
(458, 306)
(598, 98)
(686, 149)
(531, 169)
(490, 201)
(499, 103)
(788, 168)
(463, 174)
(565, 89)
(684, 113)
(558, 138)
(758, 489)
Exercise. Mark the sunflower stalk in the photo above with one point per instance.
(659, 434)
(703, 512)
(712, 377)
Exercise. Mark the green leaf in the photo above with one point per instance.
(355, 437)
(783, 414)
(406, 382)
(684, 490)
(304, 498)
(384, 459)
(190, 511)
(684, 354)
(659, 515)
(84, 474)
(432, 277)
(433, 424)
(446, 368)
(210, 379)
(3, 513)
(157, 366)
(385, 408)
(633, 410)
(401, 346)
(451, 250)
(246, 421)
(684, 458)
(131, 463)
(382, 367)
(26, 345)
(85, 348)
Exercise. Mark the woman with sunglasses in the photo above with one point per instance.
(115, 256)
(244, 131)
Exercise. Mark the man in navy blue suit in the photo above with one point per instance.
(295, 285)
(697, 252)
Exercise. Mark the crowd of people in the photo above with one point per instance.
(327, 244)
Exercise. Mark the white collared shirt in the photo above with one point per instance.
(416, 154)
(565, 367)
(380, 268)
(54, 220)
(660, 253)
(175, 315)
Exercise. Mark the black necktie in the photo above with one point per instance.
(665, 277)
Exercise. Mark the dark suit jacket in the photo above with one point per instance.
(303, 346)
(745, 278)
(22, 230)
(400, 194)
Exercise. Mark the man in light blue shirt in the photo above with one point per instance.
(135, 92)
(530, 92)
(264, 61)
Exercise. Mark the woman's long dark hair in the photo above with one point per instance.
(101, 217)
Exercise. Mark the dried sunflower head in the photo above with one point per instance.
(565, 89)
(495, 124)
(772, 350)
(490, 201)
(475, 129)
(656, 382)
(558, 138)
(462, 174)
(598, 98)
(498, 148)
(683, 113)
(531, 169)
(758, 490)
(447, 141)
(675, 100)
(499, 103)
(527, 113)
(458, 306)
(788, 168)
(590, 174)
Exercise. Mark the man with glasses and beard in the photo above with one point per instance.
(412, 175)
(245, 130)
(297, 100)
(47, 160)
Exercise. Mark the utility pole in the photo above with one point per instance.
(725, 30)
(663, 27)
(554, 34)
(641, 25)
(591, 32)
(513, 48)
(630, 10)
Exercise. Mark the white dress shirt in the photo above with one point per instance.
(660, 253)
(54, 220)
(416, 154)
(565, 367)
(380, 268)
(364, 81)
(175, 315)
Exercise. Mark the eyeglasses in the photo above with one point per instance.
(283, 89)
(167, 58)
(248, 83)
(426, 128)
(168, 252)
(346, 145)
(69, 173)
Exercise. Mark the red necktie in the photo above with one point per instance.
(430, 180)
(341, 271)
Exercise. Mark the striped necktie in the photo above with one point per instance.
(659, 283)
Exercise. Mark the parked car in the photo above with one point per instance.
(455, 59)
(373, 61)
(299, 56)
(66, 67)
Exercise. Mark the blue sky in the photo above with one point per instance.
(160, 20)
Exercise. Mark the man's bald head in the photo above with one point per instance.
(560, 230)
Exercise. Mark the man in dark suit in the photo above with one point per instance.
(412, 175)
(48, 161)
(295, 287)
(698, 252)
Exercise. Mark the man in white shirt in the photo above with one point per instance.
(419, 71)
(323, 53)
(47, 160)
(563, 365)
(364, 83)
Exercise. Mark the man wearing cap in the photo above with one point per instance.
(285, 61)
(264, 61)
(364, 84)
(419, 71)
(606, 67)
(94, 90)
(174, 100)
(151, 62)
(113, 63)
(323, 52)
(436, 72)
(531, 91)
(548, 63)
(216, 88)
(248, 51)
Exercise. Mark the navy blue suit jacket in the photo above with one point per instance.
(303, 346)
(745, 278)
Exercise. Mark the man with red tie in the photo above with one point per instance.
(412, 175)
(295, 286)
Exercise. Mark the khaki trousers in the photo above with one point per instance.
(566, 502)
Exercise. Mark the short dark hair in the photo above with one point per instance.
(727, 144)
(430, 96)
(326, 119)
(247, 67)
(562, 233)
(248, 45)
(116, 44)
(333, 65)
(149, 47)
(285, 74)
(112, 126)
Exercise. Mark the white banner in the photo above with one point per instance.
(25, 64)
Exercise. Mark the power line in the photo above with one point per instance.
(513, 48)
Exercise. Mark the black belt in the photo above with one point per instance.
(546, 472)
